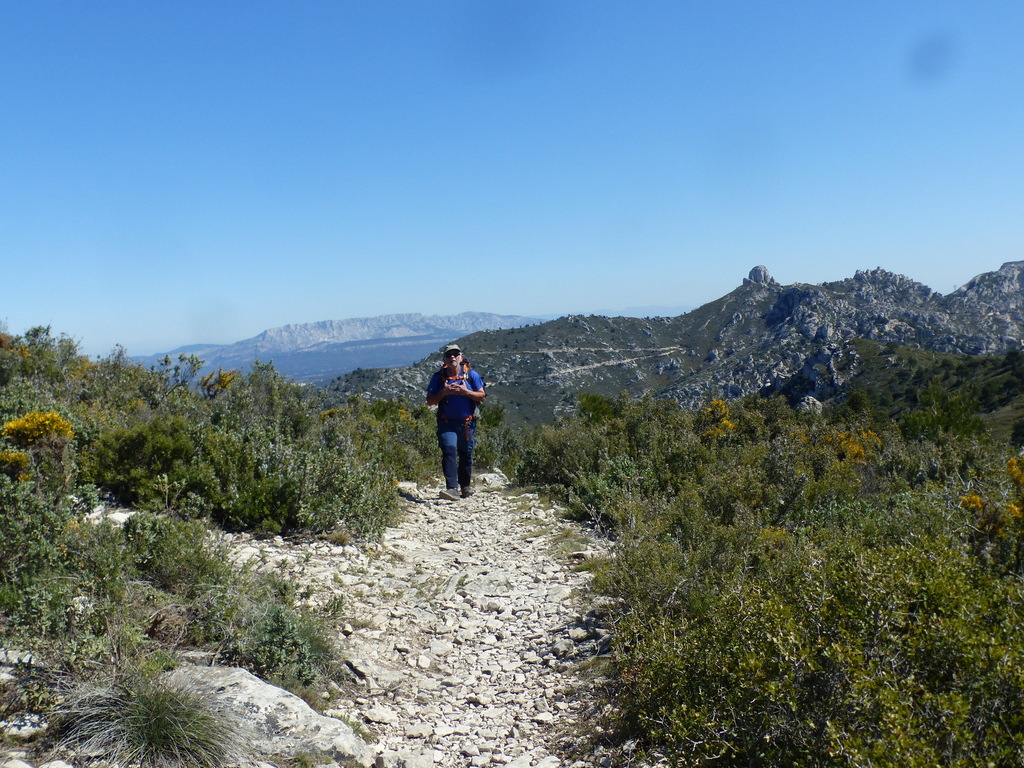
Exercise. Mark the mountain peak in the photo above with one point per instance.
(326, 349)
(759, 274)
(998, 296)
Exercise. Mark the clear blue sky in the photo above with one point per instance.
(180, 172)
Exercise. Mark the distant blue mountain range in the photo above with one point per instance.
(319, 352)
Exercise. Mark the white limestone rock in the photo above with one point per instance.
(280, 722)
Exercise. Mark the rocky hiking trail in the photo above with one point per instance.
(465, 629)
(468, 634)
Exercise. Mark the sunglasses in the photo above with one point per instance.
(452, 354)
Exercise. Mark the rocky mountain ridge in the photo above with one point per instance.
(762, 336)
(323, 350)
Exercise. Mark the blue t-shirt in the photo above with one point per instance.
(456, 407)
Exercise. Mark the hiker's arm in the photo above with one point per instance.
(435, 396)
(476, 395)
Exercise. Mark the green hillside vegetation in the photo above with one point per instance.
(906, 382)
(790, 588)
(112, 606)
(793, 589)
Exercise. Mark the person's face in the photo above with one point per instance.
(451, 358)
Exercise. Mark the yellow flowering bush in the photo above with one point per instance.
(36, 427)
(1016, 470)
(14, 464)
(973, 502)
(997, 522)
(212, 384)
(716, 417)
(854, 446)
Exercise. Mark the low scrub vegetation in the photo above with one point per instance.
(801, 589)
(109, 606)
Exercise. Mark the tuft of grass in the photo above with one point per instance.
(340, 537)
(149, 722)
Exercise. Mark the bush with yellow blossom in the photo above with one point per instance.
(36, 428)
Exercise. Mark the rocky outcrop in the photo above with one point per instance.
(759, 274)
(274, 721)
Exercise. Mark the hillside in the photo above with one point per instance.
(762, 336)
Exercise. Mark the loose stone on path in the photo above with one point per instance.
(457, 629)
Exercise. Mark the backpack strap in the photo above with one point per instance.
(466, 368)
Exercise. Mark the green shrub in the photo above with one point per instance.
(764, 648)
(140, 463)
(361, 499)
(30, 527)
(943, 412)
(179, 557)
(395, 437)
(282, 645)
(797, 589)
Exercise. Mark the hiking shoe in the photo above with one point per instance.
(467, 491)
(452, 494)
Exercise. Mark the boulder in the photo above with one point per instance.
(279, 722)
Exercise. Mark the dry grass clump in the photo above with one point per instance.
(149, 722)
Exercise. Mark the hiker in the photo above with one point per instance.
(456, 389)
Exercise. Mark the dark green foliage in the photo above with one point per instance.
(155, 546)
(283, 645)
(139, 463)
(802, 590)
(942, 412)
(29, 523)
(498, 444)
(900, 380)
(594, 407)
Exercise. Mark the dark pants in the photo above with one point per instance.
(455, 439)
